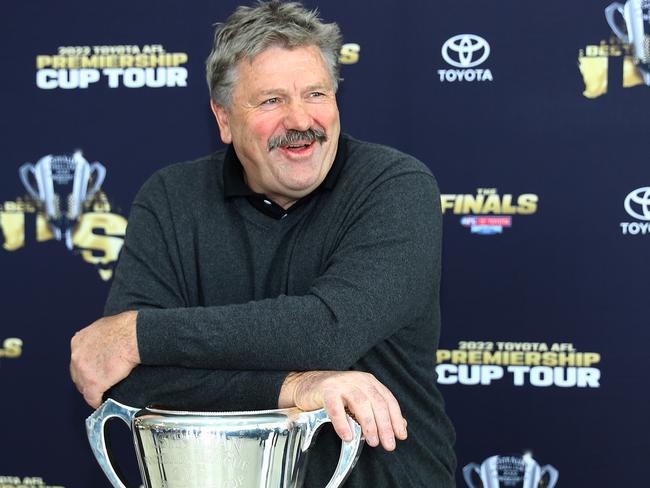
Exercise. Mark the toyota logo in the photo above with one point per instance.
(465, 50)
(637, 203)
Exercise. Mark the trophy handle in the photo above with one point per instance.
(95, 430)
(350, 450)
(467, 473)
(553, 475)
(23, 172)
(99, 179)
(610, 11)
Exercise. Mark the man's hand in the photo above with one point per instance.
(368, 400)
(103, 354)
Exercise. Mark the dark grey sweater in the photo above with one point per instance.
(231, 300)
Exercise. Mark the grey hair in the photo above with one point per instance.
(251, 30)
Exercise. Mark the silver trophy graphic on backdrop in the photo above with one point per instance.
(62, 185)
(258, 449)
(634, 30)
(510, 471)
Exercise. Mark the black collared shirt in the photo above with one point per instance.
(235, 185)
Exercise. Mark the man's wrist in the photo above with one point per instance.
(287, 396)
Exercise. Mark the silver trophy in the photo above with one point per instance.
(259, 449)
(635, 30)
(510, 471)
(62, 186)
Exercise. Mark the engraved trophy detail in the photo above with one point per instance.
(258, 449)
(62, 185)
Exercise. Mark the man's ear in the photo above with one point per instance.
(221, 115)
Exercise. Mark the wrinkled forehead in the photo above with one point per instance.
(309, 57)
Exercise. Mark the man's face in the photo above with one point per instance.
(278, 92)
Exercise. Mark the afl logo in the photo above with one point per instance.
(465, 50)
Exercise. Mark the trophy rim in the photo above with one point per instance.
(292, 411)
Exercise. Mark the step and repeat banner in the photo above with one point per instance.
(532, 115)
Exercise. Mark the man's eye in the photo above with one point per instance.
(271, 101)
(316, 94)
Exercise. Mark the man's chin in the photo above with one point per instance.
(297, 190)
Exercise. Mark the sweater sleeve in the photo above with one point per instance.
(148, 278)
(380, 277)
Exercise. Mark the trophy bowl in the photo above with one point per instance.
(255, 449)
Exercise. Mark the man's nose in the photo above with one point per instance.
(297, 116)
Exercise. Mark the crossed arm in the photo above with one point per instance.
(105, 353)
(108, 352)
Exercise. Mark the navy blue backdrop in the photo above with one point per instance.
(530, 114)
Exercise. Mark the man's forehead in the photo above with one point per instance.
(278, 49)
(274, 54)
(261, 69)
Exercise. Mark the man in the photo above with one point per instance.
(299, 267)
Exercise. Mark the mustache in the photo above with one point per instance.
(292, 136)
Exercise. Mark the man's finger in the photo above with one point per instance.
(383, 421)
(336, 411)
(359, 404)
(397, 420)
(92, 397)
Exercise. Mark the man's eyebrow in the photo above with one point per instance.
(282, 91)
(318, 86)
